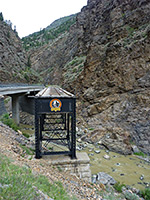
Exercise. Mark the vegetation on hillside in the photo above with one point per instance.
(9, 122)
(48, 34)
(20, 183)
(27, 74)
(73, 68)
(60, 21)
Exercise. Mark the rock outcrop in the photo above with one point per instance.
(13, 59)
(115, 82)
(54, 59)
(105, 60)
(49, 59)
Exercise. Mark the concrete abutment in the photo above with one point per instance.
(79, 167)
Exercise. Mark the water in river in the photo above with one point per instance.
(129, 170)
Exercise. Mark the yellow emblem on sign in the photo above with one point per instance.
(55, 105)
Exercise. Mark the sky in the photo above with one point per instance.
(30, 16)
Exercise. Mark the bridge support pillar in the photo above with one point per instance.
(15, 108)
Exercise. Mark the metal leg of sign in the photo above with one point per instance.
(41, 129)
(73, 123)
(68, 132)
(65, 120)
(37, 136)
(73, 141)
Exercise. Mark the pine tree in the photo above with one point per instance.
(1, 17)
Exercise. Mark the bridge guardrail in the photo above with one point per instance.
(14, 89)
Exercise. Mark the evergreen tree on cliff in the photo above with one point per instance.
(1, 17)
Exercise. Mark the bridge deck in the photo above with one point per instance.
(9, 89)
(15, 91)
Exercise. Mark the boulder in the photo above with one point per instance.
(105, 179)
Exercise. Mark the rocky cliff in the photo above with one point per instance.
(14, 65)
(52, 48)
(105, 59)
(49, 59)
(115, 82)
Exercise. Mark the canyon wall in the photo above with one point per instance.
(115, 83)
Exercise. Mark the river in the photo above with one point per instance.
(129, 169)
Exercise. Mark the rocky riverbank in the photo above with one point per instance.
(130, 169)
(11, 143)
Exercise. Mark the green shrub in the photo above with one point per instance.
(74, 70)
(8, 34)
(130, 30)
(26, 76)
(118, 186)
(7, 100)
(145, 193)
(26, 135)
(9, 122)
(81, 66)
(140, 154)
(131, 196)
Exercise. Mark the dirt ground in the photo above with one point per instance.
(10, 147)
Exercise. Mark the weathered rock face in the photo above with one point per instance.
(13, 59)
(115, 82)
(50, 59)
(11, 53)
(111, 72)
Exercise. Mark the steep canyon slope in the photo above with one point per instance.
(13, 59)
(105, 59)
(115, 82)
(51, 48)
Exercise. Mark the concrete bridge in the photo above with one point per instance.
(16, 91)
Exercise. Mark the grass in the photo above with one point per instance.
(118, 186)
(145, 193)
(9, 122)
(26, 135)
(140, 154)
(130, 196)
(20, 183)
(91, 129)
(109, 194)
(27, 150)
(26, 130)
